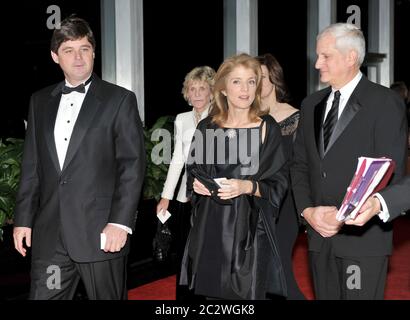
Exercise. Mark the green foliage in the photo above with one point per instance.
(10, 159)
(156, 173)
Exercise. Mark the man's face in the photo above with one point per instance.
(76, 59)
(334, 66)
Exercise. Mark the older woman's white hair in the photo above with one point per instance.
(348, 37)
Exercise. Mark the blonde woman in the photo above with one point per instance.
(197, 91)
(231, 251)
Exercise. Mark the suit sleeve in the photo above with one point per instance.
(391, 134)
(177, 162)
(27, 199)
(300, 170)
(397, 197)
(130, 162)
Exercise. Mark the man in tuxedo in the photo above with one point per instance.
(82, 171)
(393, 200)
(353, 117)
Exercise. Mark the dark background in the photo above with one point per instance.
(282, 32)
(179, 35)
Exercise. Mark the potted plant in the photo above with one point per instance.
(10, 159)
(156, 173)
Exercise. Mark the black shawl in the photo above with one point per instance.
(272, 179)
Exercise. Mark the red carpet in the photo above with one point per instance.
(398, 278)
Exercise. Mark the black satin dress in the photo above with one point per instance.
(231, 252)
(212, 279)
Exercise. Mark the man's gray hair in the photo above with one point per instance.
(348, 37)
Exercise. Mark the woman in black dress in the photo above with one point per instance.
(231, 251)
(274, 98)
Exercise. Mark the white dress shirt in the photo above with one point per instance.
(68, 111)
(345, 93)
(384, 214)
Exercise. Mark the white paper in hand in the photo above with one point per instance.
(163, 217)
(218, 181)
(103, 239)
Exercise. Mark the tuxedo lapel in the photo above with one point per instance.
(50, 119)
(85, 117)
(352, 107)
(318, 122)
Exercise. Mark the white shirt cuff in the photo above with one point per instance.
(384, 214)
(122, 227)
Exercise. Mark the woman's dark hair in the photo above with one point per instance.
(275, 76)
(72, 28)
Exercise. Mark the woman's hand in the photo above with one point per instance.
(232, 188)
(200, 188)
(162, 205)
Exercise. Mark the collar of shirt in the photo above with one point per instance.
(345, 93)
(68, 84)
(200, 116)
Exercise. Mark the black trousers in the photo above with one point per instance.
(58, 277)
(347, 278)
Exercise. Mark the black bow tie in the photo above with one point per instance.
(80, 88)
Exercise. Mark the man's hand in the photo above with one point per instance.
(19, 233)
(115, 238)
(323, 220)
(368, 210)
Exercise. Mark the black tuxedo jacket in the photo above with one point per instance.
(101, 179)
(373, 124)
(397, 197)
